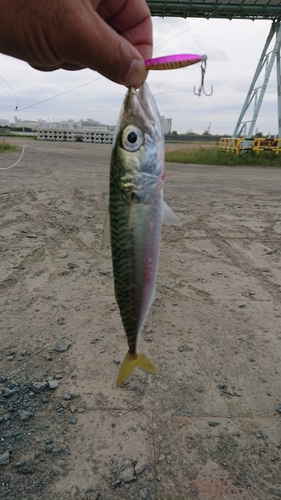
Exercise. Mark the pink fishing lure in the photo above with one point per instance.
(173, 62)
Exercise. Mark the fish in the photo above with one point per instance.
(136, 212)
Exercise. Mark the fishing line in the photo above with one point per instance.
(193, 26)
(13, 97)
(168, 91)
(61, 93)
(181, 33)
(11, 166)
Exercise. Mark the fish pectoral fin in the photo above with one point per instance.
(129, 363)
(105, 239)
(168, 216)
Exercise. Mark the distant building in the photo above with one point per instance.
(4, 123)
(166, 124)
(81, 125)
(25, 123)
(95, 131)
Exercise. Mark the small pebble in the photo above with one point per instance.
(259, 436)
(53, 384)
(24, 415)
(5, 458)
(140, 466)
(127, 475)
(27, 467)
(39, 386)
(62, 345)
(214, 423)
(71, 265)
(73, 420)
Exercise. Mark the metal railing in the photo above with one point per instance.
(257, 144)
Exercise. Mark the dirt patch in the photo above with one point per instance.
(207, 426)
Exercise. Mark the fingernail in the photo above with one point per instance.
(136, 74)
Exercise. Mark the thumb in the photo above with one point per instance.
(99, 47)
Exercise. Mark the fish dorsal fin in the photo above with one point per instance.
(105, 239)
(168, 216)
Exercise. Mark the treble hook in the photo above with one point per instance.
(203, 71)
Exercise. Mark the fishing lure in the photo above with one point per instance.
(180, 61)
(173, 62)
(201, 88)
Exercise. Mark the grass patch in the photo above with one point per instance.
(5, 146)
(213, 155)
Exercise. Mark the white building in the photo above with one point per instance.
(4, 123)
(166, 124)
(26, 123)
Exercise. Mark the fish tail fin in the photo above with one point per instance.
(145, 364)
(129, 363)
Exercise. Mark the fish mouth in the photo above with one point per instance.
(139, 108)
(141, 101)
(148, 101)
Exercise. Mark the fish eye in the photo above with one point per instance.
(132, 138)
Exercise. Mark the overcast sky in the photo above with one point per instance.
(233, 49)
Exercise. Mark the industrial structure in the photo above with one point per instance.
(230, 9)
(233, 9)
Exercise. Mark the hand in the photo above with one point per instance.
(112, 37)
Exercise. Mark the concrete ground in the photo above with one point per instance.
(206, 426)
